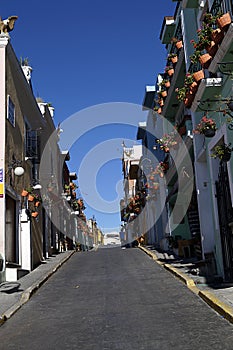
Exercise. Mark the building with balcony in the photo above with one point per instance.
(36, 218)
(184, 176)
(192, 99)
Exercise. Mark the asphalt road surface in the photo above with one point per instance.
(115, 299)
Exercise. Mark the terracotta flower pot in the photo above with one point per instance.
(34, 214)
(179, 44)
(182, 130)
(224, 21)
(159, 111)
(174, 59)
(37, 204)
(24, 193)
(167, 84)
(198, 76)
(217, 35)
(30, 198)
(189, 100)
(161, 103)
(164, 93)
(205, 60)
(193, 87)
(170, 72)
(212, 48)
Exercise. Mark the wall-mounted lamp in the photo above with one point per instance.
(15, 165)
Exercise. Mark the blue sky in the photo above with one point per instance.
(86, 53)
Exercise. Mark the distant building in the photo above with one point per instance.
(112, 238)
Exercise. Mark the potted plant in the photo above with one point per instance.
(24, 193)
(166, 83)
(223, 152)
(181, 93)
(37, 199)
(168, 141)
(157, 109)
(172, 57)
(161, 168)
(177, 42)
(199, 75)
(206, 126)
(223, 20)
(202, 57)
(169, 70)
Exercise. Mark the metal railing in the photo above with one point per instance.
(222, 6)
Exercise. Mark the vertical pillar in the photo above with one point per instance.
(4, 39)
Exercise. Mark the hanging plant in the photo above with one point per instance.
(172, 57)
(223, 20)
(206, 126)
(161, 168)
(169, 70)
(223, 152)
(178, 42)
(24, 193)
(168, 141)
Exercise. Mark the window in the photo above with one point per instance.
(32, 144)
(10, 111)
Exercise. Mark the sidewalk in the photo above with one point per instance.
(10, 302)
(219, 296)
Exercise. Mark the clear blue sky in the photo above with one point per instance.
(86, 53)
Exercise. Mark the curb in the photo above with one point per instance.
(26, 295)
(220, 307)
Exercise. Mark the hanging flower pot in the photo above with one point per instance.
(199, 75)
(164, 93)
(170, 72)
(226, 157)
(34, 214)
(161, 103)
(193, 88)
(209, 132)
(217, 35)
(182, 130)
(24, 193)
(155, 185)
(205, 60)
(224, 21)
(206, 126)
(174, 59)
(179, 44)
(223, 152)
(37, 204)
(167, 84)
(189, 100)
(212, 48)
(30, 197)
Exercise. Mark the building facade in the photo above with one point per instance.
(189, 120)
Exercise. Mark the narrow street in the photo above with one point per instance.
(115, 299)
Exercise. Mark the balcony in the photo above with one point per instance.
(190, 4)
(208, 88)
(172, 105)
(168, 30)
(148, 101)
(224, 52)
